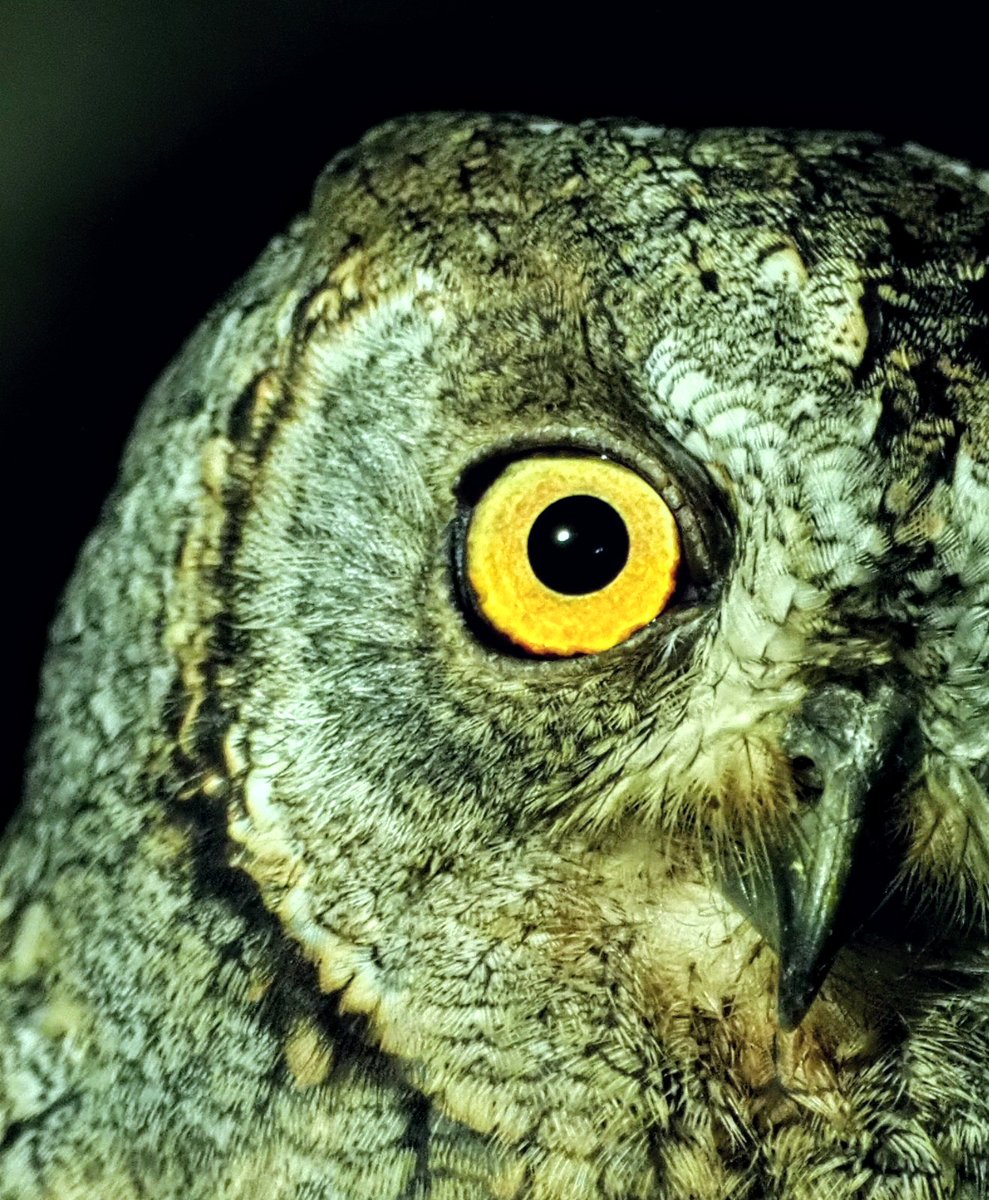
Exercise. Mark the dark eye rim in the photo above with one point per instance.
(707, 540)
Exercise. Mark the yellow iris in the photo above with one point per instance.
(571, 555)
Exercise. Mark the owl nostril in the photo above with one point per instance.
(807, 778)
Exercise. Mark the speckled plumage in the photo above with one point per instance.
(315, 894)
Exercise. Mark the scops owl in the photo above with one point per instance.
(519, 731)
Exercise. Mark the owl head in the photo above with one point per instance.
(583, 612)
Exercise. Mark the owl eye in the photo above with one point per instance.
(570, 555)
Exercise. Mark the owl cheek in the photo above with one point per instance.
(713, 765)
(945, 824)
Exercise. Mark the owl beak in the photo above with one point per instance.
(818, 882)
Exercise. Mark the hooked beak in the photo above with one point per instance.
(800, 894)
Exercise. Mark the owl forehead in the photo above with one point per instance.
(610, 251)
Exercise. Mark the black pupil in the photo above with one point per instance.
(578, 544)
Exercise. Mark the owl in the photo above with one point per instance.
(520, 730)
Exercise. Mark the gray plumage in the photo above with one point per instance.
(318, 891)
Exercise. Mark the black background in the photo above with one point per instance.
(148, 152)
